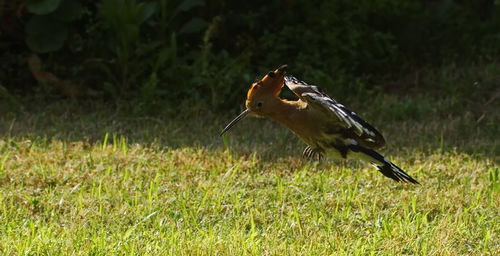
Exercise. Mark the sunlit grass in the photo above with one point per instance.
(99, 184)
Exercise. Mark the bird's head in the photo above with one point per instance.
(264, 92)
(262, 95)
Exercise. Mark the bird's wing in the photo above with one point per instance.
(299, 87)
(319, 100)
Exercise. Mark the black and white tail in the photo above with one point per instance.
(385, 166)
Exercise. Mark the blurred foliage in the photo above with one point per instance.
(49, 26)
(165, 53)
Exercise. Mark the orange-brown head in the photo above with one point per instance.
(262, 96)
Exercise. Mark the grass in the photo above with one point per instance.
(79, 178)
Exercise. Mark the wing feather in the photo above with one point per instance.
(318, 99)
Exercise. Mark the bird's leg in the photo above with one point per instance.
(306, 151)
(313, 153)
(317, 154)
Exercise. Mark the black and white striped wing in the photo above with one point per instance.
(300, 87)
(315, 97)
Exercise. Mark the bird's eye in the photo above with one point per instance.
(259, 104)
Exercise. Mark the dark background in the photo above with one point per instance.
(158, 57)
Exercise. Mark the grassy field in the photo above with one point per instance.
(80, 178)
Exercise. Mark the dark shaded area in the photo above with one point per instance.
(151, 55)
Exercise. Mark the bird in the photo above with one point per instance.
(326, 126)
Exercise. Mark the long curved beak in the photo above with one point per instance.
(232, 123)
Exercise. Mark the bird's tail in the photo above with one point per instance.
(386, 167)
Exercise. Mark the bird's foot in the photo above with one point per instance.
(313, 153)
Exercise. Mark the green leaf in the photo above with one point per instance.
(45, 35)
(187, 5)
(148, 9)
(193, 26)
(68, 10)
(42, 7)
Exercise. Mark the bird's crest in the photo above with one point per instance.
(271, 83)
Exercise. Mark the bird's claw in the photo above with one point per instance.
(313, 153)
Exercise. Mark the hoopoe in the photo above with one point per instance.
(326, 126)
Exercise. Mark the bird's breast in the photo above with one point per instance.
(305, 124)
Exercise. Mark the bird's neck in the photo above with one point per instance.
(286, 112)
